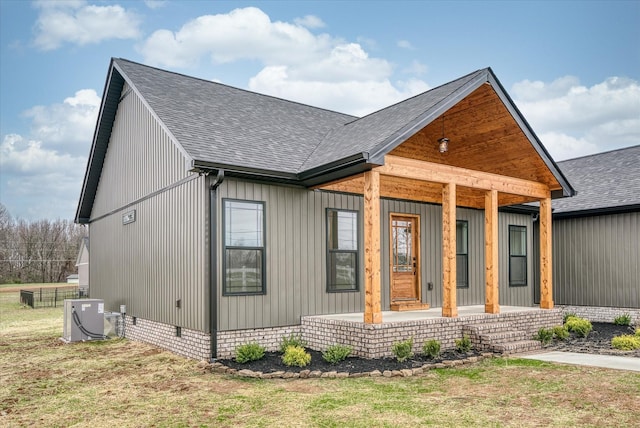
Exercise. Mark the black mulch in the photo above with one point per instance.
(597, 342)
(272, 362)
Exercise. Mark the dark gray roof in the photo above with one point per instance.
(257, 136)
(607, 181)
(222, 125)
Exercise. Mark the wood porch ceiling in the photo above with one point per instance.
(483, 136)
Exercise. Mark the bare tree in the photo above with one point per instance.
(38, 251)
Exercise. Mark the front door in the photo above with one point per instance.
(405, 259)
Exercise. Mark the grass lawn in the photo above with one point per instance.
(127, 384)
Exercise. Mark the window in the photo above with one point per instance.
(244, 253)
(462, 254)
(517, 255)
(342, 250)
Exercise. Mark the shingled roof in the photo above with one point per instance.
(605, 182)
(258, 136)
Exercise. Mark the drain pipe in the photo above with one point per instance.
(213, 262)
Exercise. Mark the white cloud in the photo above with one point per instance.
(245, 33)
(416, 68)
(23, 156)
(68, 124)
(404, 44)
(316, 69)
(358, 97)
(155, 4)
(41, 174)
(309, 21)
(574, 120)
(79, 23)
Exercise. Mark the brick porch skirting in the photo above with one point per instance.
(376, 340)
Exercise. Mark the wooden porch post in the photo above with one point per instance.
(449, 307)
(491, 274)
(372, 298)
(546, 271)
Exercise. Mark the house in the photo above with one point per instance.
(596, 247)
(72, 279)
(82, 263)
(220, 216)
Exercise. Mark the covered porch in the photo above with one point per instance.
(492, 159)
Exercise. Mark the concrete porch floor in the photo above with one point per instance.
(390, 317)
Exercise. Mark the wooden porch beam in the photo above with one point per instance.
(491, 272)
(546, 271)
(449, 306)
(439, 173)
(372, 297)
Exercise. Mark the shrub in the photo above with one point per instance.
(579, 326)
(336, 353)
(249, 352)
(560, 332)
(624, 319)
(403, 350)
(431, 348)
(626, 342)
(568, 315)
(292, 340)
(638, 331)
(296, 356)
(545, 335)
(464, 344)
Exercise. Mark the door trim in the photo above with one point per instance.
(417, 249)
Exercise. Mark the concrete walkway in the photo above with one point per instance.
(606, 361)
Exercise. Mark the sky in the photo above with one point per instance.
(572, 68)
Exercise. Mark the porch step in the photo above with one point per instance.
(518, 347)
(409, 306)
(500, 337)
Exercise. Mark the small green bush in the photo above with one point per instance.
(626, 342)
(336, 353)
(638, 331)
(431, 348)
(464, 344)
(579, 326)
(545, 335)
(292, 340)
(249, 352)
(568, 315)
(403, 350)
(624, 319)
(560, 332)
(296, 356)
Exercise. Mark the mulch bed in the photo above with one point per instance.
(272, 362)
(597, 342)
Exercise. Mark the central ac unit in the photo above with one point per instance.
(83, 320)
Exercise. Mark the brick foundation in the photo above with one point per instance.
(270, 338)
(367, 340)
(601, 313)
(191, 344)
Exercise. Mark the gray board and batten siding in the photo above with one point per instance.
(596, 234)
(296, 256)
(596, 260)
(162, 256)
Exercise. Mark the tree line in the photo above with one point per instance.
(37, 251)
